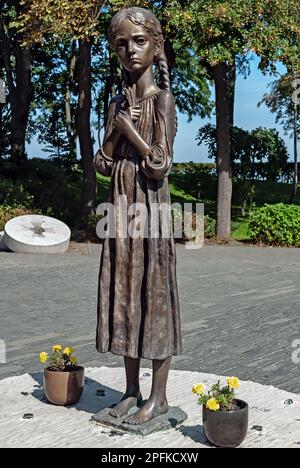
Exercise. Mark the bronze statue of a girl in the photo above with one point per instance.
(138, 304)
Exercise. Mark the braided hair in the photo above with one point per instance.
(148, 20)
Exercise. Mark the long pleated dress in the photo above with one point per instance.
(138, 303)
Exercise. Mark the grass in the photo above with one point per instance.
(241, 233)
(178, 195)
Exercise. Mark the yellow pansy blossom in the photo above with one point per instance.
(199, 389)
(43, 357)
(212, 405)
(57, 347)
(73, 360)
(68, 350)
(233, 382)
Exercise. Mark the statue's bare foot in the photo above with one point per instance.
(128, 401)
(152, 409)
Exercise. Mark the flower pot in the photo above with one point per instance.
(64, 388)
(226, 428)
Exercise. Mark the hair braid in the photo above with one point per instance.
(164, 71)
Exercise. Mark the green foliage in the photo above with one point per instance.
(42, 185)
(78, 19)
(15, 195)
(280, 100)
(254, 154)
(225, 29)
(51, 83)
(190, 85)
(210, 227)
(277, 225)
(197, 179)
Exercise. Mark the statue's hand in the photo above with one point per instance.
(124, 124)
(134, 112)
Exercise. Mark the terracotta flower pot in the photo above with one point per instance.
(64, 388)
(227, 428)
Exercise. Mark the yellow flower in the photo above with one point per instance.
(199, 389)
(233, 382)
(73, 360)
(212, 405)
(68, 351)
(57, 347)
(43, 357)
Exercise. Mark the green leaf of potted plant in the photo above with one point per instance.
(225, 418)
(63, 378)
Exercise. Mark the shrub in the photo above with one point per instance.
(15, 194)
(277, 225)
(210, 226)
(9, 212)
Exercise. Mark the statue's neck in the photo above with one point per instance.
(144, 82)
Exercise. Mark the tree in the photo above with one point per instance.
(5, 116)
(77, 20)
(260, 153)
(223, 32)
(81, 21)
(17, 64)
(53, 111)
(284, 102)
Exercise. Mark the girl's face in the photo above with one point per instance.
(135, 47)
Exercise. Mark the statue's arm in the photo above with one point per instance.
(157, 161)
(103, 159)
(110, 143)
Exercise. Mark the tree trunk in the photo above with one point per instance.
(109, 82)
(20, 91)
(2, 144)
(231, 92)
(84, 129)
(20, 102)
(171, 56)
(71, 131)
(296, 164)
(222, 80)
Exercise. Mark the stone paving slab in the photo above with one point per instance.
(239, 305)
(54, 426)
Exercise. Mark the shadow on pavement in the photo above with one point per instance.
(196, 433)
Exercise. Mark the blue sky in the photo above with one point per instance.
(249, 93)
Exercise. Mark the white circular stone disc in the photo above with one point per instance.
(36, 234)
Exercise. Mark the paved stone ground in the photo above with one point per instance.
(240, 311)
(272, 423)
